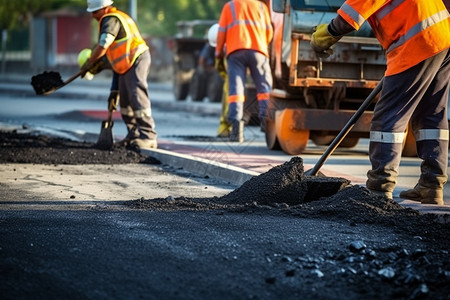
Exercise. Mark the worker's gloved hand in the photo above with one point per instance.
(113, 100)
(97, 67)
(85, 68)
(93, 68)
(322, 41)
(219, 64)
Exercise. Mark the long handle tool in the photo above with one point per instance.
(340, 137)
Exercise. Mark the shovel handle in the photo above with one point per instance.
(340, 137)
(110, 112)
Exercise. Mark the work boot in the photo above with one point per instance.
(424, 195)
(144, 143)
(224, 130)
(387, 195)
(237, 131)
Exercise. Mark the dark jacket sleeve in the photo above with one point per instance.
(339, 27)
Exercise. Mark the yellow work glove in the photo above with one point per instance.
(219, 64)
(113, 100)
(322, 40)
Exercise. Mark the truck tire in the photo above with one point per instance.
(180, 87)
(321, 138)
(198, 85)
(215, 87)
(349, 142)
(271, 135)
(292, 141)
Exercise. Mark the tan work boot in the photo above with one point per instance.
(424, 195)
(144, 143)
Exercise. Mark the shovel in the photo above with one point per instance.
(48, 82)
(105, 139)
(340, 137)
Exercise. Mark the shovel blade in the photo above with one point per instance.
(105, 139)
(46, 83)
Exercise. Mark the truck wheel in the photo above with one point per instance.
(271, 135)
(180, 88)
(409, 144)
(291, 140)
(198, 85)
(349, 142)
(321, 139)
(215, 87)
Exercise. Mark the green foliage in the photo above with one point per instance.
(158, 18)
(155, 17)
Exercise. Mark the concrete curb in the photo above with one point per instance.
(201, 166)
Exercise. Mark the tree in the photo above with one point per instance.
(159, 18)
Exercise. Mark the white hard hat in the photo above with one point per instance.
(94, 5)
(212, 35)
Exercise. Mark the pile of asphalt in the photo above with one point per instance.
(35, 148)
(46, 81)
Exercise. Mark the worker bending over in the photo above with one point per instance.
(129, 56)
(416, 37)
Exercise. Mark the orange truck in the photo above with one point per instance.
(313, 98)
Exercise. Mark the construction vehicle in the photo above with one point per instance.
(313, 98)
(189, 78)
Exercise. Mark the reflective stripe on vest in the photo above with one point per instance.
(387, 137)
(123, 53)
(236, 22)
(356, 17)
(418, 28)
(432, 134)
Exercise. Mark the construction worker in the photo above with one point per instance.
(416, 37)
(129, 56)
(224, 130)
(246, 30)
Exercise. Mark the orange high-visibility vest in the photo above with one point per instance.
(244, 24)
(409, 30)
(123, 53)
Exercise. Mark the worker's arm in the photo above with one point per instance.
(339, 27)
(109, 29)
(97, 53)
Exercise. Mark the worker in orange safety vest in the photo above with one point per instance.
(129, 57)
(246, 30)
(416, 37)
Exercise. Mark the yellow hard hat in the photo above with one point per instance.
(83, 56)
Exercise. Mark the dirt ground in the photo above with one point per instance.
(411, 263)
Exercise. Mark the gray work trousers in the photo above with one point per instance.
(419, 95)
(135, 104)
